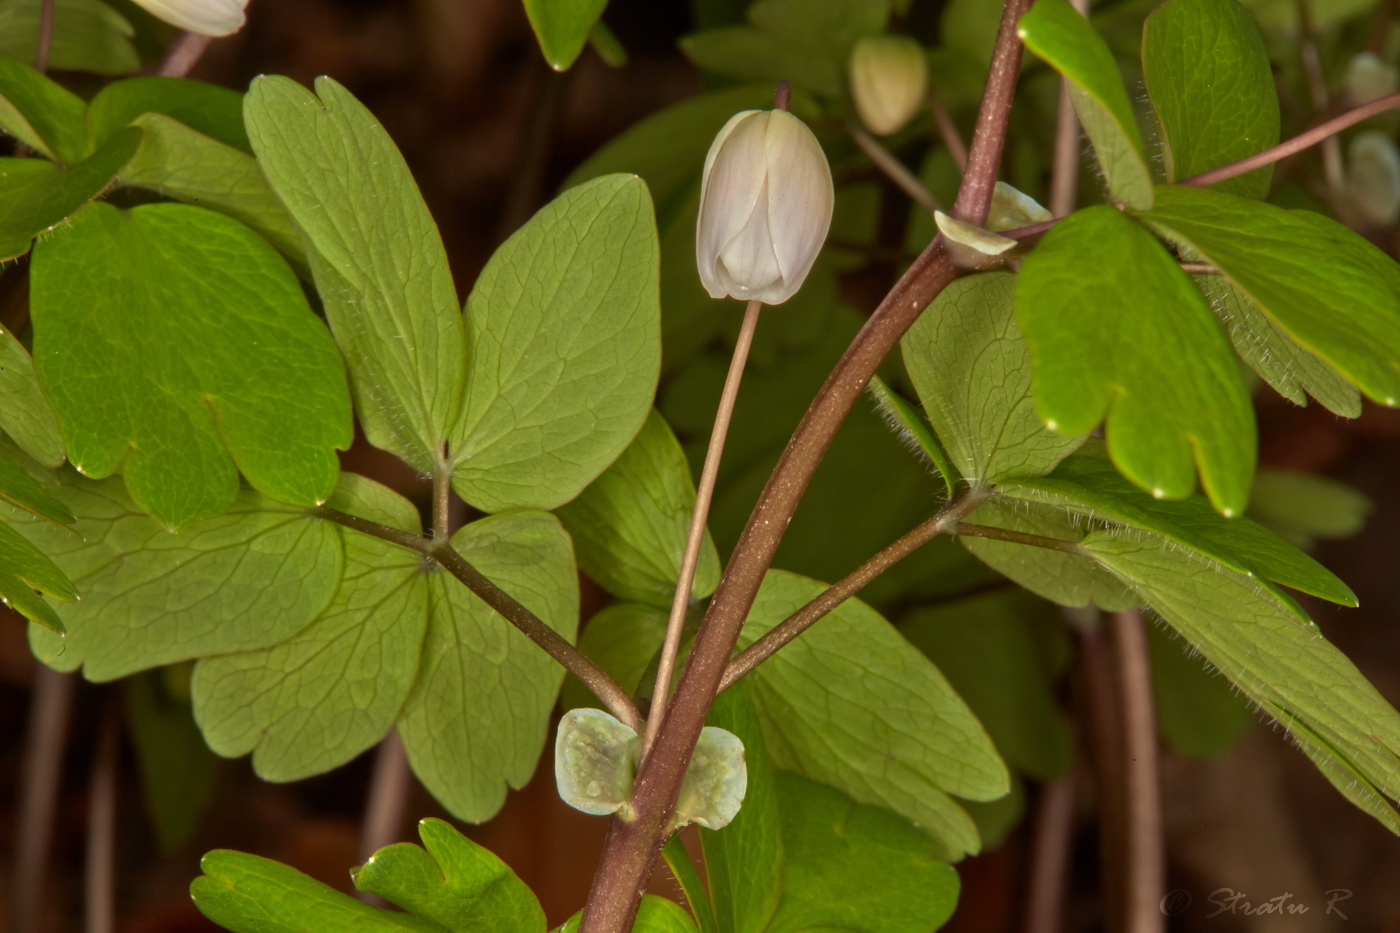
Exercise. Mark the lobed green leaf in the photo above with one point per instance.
(1116, 328)
(213, 111)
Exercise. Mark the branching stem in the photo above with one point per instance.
(704, 494)
(529, 624)
(632, 846)
(834, 595)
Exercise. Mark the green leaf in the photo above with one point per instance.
(41, 114)
(744, 861)
(24, 569)
(667, 149)
(1053, 30)
(854, 867)
(316, 700)
(1211, 84)
(1115, 327)
(562, 27)
(630, 525)
(1277, 658)
(1198, 712)
(564, 341)
(180, 163)
(966, 358)
(41, 195)
(1301, 507)
(22, 490)
(1059, 576)
(214, 111)
(806, 42)
(452, 882)
(854, 704)
(178, 772)
(200, 358)
(249, 894)
(988, 649)
(1088, 487)
(906, 421)
(377, 257)
(656, 915)
(88, 35)
(25, 414)
(472, 657)
(1292, 371)
(246, 579)
(1328, 289)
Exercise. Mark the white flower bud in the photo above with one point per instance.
(765, 207)
(889, 78)
(1369, 78)
(206, 17)
(1373, 177)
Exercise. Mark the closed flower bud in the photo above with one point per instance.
(206, 17)
(765, 207)
(889, 77)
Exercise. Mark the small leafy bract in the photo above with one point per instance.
(1323, 285)
(854, 704)
(1054, 31)
(378, 260)
(1210, 81)
(1115, 327)
(595, 762)
(966, 358)
(564, 347)
(630, 525)
(464, 740)
(40, 195)
(245, 579)
(175, 343)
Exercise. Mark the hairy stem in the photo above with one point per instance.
(895, 170)
(631, 847)
(704, 493)
(45, 738)
(534, 628)
(1017, 537)
(834, 595)
(1295, 145)
(530, 625)
(45, 43)
(184, 53)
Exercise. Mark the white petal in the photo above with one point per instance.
(747, 262)
(207, 17)
(734, 171)
(800, 200)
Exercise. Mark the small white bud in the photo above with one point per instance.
(889, 78)
(765, 207)
(1369, 78)
(1373, 177)
(206, 17)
